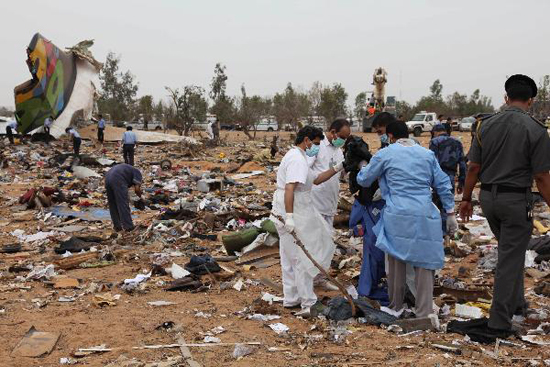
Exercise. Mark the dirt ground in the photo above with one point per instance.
(131, 322)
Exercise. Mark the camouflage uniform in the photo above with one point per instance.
(450, 154)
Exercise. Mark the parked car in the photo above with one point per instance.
(422, 122)
(267, 124)
(466, 123)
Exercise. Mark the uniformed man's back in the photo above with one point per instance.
(507, 148)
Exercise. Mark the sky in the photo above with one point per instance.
(267, 43)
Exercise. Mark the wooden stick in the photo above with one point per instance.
(186, 353)
(161, 346)
(321, 269)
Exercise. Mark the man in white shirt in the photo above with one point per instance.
(76, 140)
(326, 195)
(129, 141)
(48, 124)
(12, 125)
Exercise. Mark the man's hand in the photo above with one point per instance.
(451, 224)
(377, 195)
(466, 210)
(338, 167)
(289, 223)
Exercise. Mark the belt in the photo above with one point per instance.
(503, 188)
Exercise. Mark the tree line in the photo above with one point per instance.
(290, 107)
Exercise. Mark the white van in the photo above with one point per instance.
(267, 123)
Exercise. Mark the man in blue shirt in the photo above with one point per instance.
(100, 128)
(129, 141)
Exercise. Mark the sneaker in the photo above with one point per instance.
(291, 305)
(304, 313)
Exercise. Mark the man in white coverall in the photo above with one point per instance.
(292, 201)
(325, 195)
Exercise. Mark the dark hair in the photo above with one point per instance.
(100, 116)
(519, 91)
(449, 118)
(311, 132)
(383, 119)
(67, 129)
(129, 128)
(338, 124)
(439, 117)
(398, 129)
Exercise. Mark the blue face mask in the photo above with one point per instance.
(384, 139)
(313, 151)
(338, 142)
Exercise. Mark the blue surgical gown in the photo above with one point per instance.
(409, 228)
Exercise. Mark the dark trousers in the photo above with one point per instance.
(100, 134)
(119, 206)
(508, 219)
(128, 153)
(9, 134)
(76, 146)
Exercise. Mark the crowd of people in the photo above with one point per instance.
(405, 203)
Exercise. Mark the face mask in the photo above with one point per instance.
(312, 151)
(338, 142)
(384, 139)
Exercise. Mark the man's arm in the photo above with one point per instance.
(137, 189)
(289, 197)
(461, 168)
(442, 185)
(543, 184)
(372, 171)
(472, 176)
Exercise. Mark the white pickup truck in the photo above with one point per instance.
(422, 122)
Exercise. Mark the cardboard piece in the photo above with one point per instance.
(35, 343)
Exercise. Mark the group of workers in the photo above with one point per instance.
(405, 203)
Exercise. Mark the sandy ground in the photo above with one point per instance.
(131, 322)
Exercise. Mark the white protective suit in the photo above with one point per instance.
(297, 270)
(325, 196)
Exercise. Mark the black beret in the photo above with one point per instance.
(521, 79)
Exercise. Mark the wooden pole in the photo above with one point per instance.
(321, 269)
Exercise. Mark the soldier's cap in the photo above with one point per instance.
(524, 80)
(439, 127)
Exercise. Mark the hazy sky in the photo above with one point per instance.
(265, 44)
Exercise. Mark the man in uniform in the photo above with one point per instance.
(450, 154)
(129, 141)
(100, 128)
(117, 181)
(510, 149)
(325, 195)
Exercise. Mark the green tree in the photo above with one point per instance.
(404, 109)
(290, 106)
(360, 106)
(333, 102)
(223, 106)
(251, 111)
(541, 106)
(146, 109)
(436, 90)
(118, 90)
(189, 106)
(159, 112)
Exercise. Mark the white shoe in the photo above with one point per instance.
(305, 313)
(327, 286)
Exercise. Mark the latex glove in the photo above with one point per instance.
(377, 195)
(338, 167)
(289, 223)
(452, 224)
